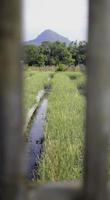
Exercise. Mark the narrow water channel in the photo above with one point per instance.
(36, 141)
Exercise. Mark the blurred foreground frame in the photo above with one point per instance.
(95, 185)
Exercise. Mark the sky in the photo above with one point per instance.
(66, 17)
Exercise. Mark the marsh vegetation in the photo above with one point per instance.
(62, 158)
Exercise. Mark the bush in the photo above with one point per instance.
(61, 68)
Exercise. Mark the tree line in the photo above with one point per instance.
(49, 54)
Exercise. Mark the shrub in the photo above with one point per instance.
(61, 68)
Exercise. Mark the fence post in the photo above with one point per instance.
(10, 99)
(98, 101)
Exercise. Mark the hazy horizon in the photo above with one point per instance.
(68, 18)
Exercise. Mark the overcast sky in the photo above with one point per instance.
(67, 17)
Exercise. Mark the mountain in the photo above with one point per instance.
(48, 35)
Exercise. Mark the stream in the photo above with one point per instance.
(36, 141)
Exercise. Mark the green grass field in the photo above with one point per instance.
(64, 127)
(64, 130)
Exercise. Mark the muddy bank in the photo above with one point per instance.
(36, 138)
(34, 148)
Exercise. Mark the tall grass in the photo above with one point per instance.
(62, 159)
(33, 82)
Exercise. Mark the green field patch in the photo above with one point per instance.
(34, 81)
(64, 131)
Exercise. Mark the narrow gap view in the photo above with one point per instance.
(55, 48)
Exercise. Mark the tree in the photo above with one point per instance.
(46, 50)
(40, 60)
(73, 48)
(78, 52)
(55, 53)
(82, 50)
(30, 53)
(61, 54)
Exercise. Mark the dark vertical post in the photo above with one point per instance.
(98, 106)
(10, 99)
